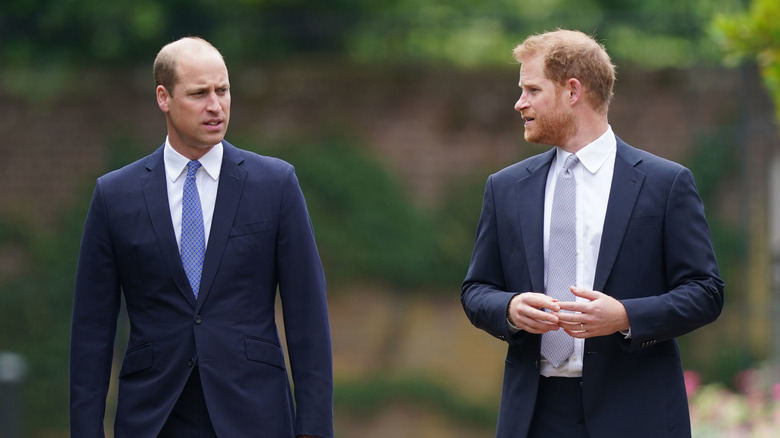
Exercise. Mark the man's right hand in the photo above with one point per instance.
(526, 312)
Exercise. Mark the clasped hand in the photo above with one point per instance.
(600, 315)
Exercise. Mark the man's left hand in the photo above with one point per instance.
(601, 315)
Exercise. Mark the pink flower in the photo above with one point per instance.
(776, 392)
(747, 381)
(692, 382)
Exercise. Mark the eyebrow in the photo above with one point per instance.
(201, 87)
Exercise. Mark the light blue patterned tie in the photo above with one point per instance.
(193, 238)
(557, 346)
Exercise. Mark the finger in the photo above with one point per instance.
(537, 321)
(571, 325)
(552, 306)
(581, 334)
(536, 326)
(529, 304)
(573, 306)
(585, 293)
(540, 301)
(541, 315)
(575, 330)
(569, 317)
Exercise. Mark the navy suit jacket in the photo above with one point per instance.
(656, 257)
(261, 239)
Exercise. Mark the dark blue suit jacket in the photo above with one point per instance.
(656, 257)
(261, 238)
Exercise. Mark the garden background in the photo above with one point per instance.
(394, 112)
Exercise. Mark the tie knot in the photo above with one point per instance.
(570, 162)
(192, 167)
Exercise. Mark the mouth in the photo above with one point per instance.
(213, 124)
(528, 120)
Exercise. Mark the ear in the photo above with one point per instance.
(574, 87)
(162, 98)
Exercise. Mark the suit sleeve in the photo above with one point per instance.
(695, 295)
(96, 303)
(483, 293)
(303, 294)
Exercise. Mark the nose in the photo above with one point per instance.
(520, 104)
(213, 103)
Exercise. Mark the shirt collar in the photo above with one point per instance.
(176, 163)
(595, 154)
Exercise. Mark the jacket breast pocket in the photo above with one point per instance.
(137, 359)
(252, 228)
(653, 221)
(261, 350)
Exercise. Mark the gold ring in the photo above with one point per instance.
(582, 327)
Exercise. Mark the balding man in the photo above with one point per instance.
(199, 236)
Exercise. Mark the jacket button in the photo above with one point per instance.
(191, 363)
(198, 319)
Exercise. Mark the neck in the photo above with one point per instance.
(191, 152)
(588, 130)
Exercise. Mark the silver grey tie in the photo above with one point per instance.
(557, 346)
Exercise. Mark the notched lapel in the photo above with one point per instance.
(231, 184)
(626, 184)
(156, 196)
(530, 212)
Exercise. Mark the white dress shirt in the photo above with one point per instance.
(207, 180)
(593, 178)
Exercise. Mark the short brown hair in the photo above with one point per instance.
(165, 62)
(573, 54)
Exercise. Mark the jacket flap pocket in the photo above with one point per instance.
(252, 228)
(260, 350)
(138, 359)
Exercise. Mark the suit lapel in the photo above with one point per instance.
(231, 184)
(626, 183)
(530, 201)
(156, 196)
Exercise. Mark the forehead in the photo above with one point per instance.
(201, 68)
(532, 71)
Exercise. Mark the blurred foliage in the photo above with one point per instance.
(371, 395)
(658, 34)
(36, 301)
(712, 162)
(714, 169)
(751, 410)
(754, 34)
(36, 312)
(654, 34)
(367, 228)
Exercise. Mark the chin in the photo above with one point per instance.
(530, 138)
(541, 139)
(207, 143)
